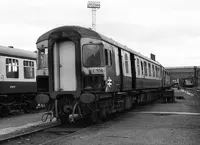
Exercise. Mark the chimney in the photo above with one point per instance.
(153, 57)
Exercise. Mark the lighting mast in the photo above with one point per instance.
(94, 5)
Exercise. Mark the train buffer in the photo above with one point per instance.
(168, 96)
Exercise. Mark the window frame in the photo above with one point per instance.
(149, 68)
(142, 67)
(145, 69)
(153, 69)
(12, 68)
(108, 57)
(126, 63)
(138, 66)
(29, 64)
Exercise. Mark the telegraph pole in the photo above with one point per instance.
(94, 5)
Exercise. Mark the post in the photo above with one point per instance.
(94, 5)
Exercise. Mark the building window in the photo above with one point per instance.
(12, 68)
(126, 63)
(153, 70)
(29, 70)
(138, 66)
(145, 68)
(149, 66)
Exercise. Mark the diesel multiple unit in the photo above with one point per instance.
(91, 75)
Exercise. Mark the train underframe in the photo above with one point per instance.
(19, 102)
(98, 106)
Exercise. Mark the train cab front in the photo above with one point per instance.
(76, 72)
(76, 67)
(79, 73)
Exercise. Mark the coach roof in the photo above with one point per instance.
(85, 32)
(14, 52)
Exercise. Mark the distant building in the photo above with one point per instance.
(187, 76)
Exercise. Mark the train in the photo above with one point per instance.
(92, 76)
(18, 86)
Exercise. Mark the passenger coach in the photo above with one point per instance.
(93, 75)
(17, 79)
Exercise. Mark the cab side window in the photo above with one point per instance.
(108, 57)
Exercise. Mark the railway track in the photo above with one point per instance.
(194, 91)
(42, 134)
(32, 130)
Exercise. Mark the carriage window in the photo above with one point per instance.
(153, 70)
(92, 55)
(156, 71)
(145, 68)
(149, 66)
(142, 67)
(29, 70)
(126, 63)
(138, 66)
(12, 68)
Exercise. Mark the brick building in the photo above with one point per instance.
(185, 75)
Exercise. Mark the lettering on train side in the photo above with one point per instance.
(12, 87)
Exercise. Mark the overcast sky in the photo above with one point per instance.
(170, 29)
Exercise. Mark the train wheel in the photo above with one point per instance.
(4, 111)
(27, 108)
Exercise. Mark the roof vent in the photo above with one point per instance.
(10, 47)
(153, 57)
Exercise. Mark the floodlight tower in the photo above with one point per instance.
(94, 5)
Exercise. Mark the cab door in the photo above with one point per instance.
(64, 66)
